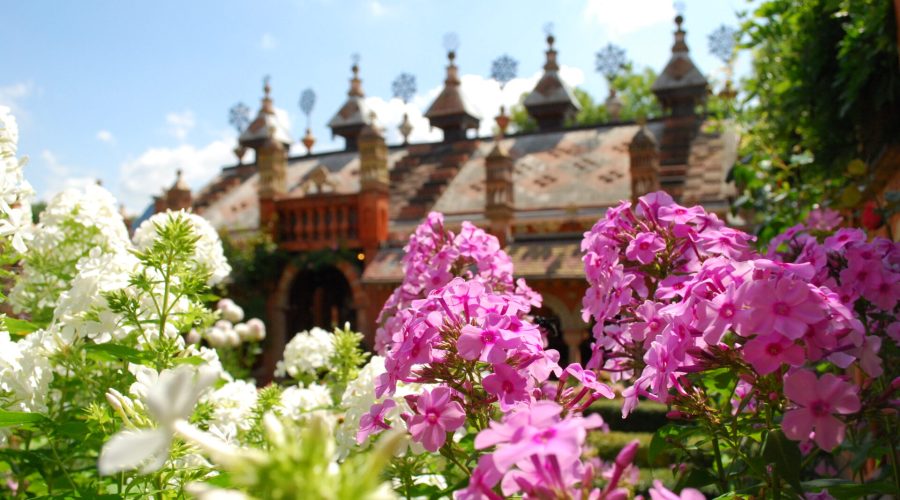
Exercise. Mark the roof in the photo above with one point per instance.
(451, 101)
(680, 72)
(265, 122)
(532, 260)
(551, 90)
(556, 174)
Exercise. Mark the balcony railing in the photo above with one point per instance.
(318, 222)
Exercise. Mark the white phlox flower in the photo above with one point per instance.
(208, 251)
(170, 402)
(306, 353)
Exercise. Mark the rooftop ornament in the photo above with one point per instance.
(503, 69)
(239, 117)
(404, 88)
(307, 103)
(610, 61)
(721, 45)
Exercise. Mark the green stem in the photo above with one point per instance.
(720, 469)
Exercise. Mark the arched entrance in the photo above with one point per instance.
(319, 297)
(307, 297)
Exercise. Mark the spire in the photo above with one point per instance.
(450, 112)
(267, 125)
(354, 114)
(681, 86)
(178, 197)
(551, 102)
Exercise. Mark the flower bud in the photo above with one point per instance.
(627, 454)
(192, 337)
(244, 332)
(258, 328)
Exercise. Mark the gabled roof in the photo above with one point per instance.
(551, 90)
(680, 72)
(451, 101)
(354, 114)
(269, 123)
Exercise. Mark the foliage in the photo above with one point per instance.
(822, 101)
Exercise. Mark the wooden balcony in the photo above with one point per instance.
(318, 222)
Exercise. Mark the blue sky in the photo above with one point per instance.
(127, 92)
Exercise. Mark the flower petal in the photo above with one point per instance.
(129, 449)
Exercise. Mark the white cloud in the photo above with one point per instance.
(180, 124)
(268, 42)
(618, 18)
(483, 94)
(60, 176)
(376, 8)
(105, 136)
(12, 96)
(154, 170)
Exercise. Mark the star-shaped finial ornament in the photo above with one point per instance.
(239, 116)
(503, 69)
(404, 87)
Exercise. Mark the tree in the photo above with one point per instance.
(823, 102)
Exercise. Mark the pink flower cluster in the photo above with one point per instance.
(673, 291)
(434, 256)
(536, 452)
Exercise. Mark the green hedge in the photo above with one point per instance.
(647, 417)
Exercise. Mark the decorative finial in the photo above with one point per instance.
(239, 117)
(548, 30)
(307, 103)
(355, 67)
(178, 174)
(721, 43)
(267, 87)
(404, 87)
(503, 69)
(405, 128)
(308, 141)
(610, 60)
(451, 45)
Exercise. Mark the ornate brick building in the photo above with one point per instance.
(537, 192)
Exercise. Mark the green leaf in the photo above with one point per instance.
(16, 418)
(190, 360)
(786, 456)
(843, 489)
(116, 352)
(19, 327)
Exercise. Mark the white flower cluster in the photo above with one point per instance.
(232, 405)
(25, 373)
(229, 332)
(15, 192)
(208, 252)
(358, 398)
(306, 354)
(300, 402)
(75, 223)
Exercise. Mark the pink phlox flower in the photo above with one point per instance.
(650, 323)
(482, 481)
(862, 274)
(868, 357)
(374, 421)
(507, 384)
(818, 401)
(884, 290)
(645, 247)
(660, 492)
(436, 415)
(718, 315)
(766, 353)
(671, 287)
(823, 219)
(783, 305)
(842, 238)
(677, 214)
(589, 380)
(488, 342)
(650, 203)
(785, 236)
